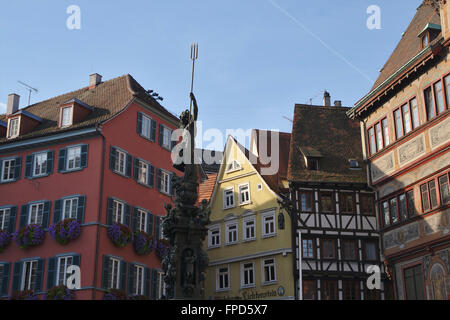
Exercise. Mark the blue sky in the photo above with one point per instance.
(257, 58)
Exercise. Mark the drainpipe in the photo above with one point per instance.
(100, 208)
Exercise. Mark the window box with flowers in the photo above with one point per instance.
(65, 231)
(24, 295)
(5, 239)
(142, 243)
(120, 234)
(60, 293)
(115, 294)
(29, 236)
(162, 248)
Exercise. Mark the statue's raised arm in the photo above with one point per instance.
(194, 101)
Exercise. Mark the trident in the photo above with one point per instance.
(194, 56)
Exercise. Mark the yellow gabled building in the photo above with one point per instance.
(249, 241)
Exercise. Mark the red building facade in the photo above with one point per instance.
(99, 155)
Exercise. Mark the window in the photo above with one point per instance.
(425, 41)
(349, 250)
(354, 164)
(328, 249)
(414, 113)
(223, 279)
(429, 105)
(443, 189)
(141, 220)
(166, 137)
(385, 127)
(269, 271)
(398, 124)
(121, 159)
(70, 208)
(268, 224)
(372, 141)
(307, 249)
(309, 290)
(228, 198)
(429, 196)
(247, 275)
(385, 210)
(8, 170)
(142, 172)
(346, 203)
(366, 204)
(63, 264)
(146, 127)
(370, 251)
(313, 164)
(118, 211)
(114, 274)
(447, 89)
(164, 181)
(231, 232)
(233, 166)
(411, 207)
(326, 201)
(439, 97)
(413, 279)
(40, 164)
(29, 275)
(138, 280)
(306, 201)
(329, 290)
(350, 289)
(66, 116)
(214, 237)
(406, 119)
(393, 210)
(73, 158)
(402, 212)
(379, 136)
(36, 213)
(13, 128)
(249, 229)
(4, 218)
(244, 194)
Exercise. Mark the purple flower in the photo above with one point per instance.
(143, 243)
(5, 239)
(65, 230)
(30, 235)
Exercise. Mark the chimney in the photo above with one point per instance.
(13, 103)
(94, 80)
(445, 18)
(338, 103)
(326, 99)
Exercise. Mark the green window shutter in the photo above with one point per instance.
(123, 275)
(139, 123)
(134, 220)
(109, 212)
(151, 176)
(29, 166)
(129, 168)
(158, 179)
(39, 275)
(84, 155)
(50, 162)
(62, 160)
(81, 208)
(23, 216)
(161, 134)
(154, 284)
(147, 283)
(136, 169)
(76, 260)
(12, 219)
(153, 130)
(17, 276)
(127, 217)
(5, 279)
(17, 168)
(150, 221)
(131, 279)
(112, 158)
(57, 211)
(157, 228)
(105, 271)
(51, 273)
(46, 214)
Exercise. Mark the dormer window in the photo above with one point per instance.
(233, 166)
(13, 128)
(66, 116)
(313, 164)
(354, 164)
(429, 33)
(425, 40)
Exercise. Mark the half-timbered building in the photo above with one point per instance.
(334, 225)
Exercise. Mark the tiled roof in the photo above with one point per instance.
(329, 132)
(206, 187)
(410, 44)
(107, 99)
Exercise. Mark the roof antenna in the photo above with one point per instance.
(30, 89)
